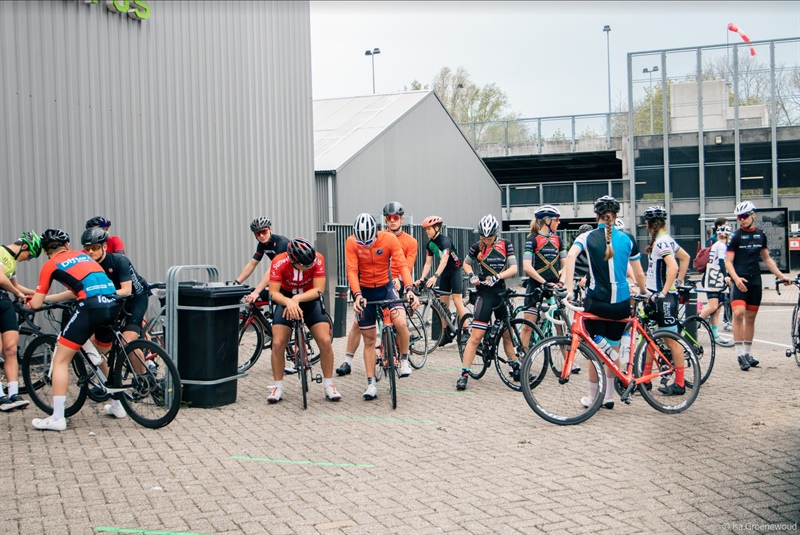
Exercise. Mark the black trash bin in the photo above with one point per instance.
(208, 341)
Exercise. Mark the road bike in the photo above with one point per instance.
(437, 320)
(28, 330)
(387, 360)
(418, 345)
(557, 397)
(142, 376)
(795, 349)
(297, 352)
(506, 331)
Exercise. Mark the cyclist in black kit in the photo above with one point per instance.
(493, 261)
(747, 247)
(268, 244)
(449, 273)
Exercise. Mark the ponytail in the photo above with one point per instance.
(536, 225)
(653, 227)
(609, 218)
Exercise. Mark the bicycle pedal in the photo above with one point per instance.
(317, 379)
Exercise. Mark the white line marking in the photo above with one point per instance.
(771, 343)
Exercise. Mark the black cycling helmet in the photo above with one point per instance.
(393, 208)
(585, 228)
(655, 212)
(260, 223)
(606, 203)
(301, 252)
(98, 221)
(94, 236)
(34, 243)
(54, 237)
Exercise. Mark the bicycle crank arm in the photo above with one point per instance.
(626, 396)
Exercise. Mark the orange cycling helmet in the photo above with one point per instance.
(431, 221)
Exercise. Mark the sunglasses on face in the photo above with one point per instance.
(262, 232)
(743, 217)
(92, 248)
(556, 219)
(393, 217)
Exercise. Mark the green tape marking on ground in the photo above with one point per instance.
(105, 529)
(377, 419)
(443, 368)
(311, 463)
(455, 392)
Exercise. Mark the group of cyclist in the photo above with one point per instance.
(379, 267)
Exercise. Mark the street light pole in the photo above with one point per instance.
(373, 53)
(607, 29)
(650, 72)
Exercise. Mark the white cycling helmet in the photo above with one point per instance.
(744, 208)
(488, 226)
(724, 229)
(548, 210)
(365, 229)
(619, 224)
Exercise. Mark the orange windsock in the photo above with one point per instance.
(734, 28)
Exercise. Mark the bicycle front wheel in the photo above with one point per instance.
(479, 364)
(697, 332)
(561, 400)
(419, 344)
(503, 361)
(301, 362)
(433, 324)
(251, 341)
(795, 336)
(152, 395)
(389, 345)
(36, 370)
(661, 394)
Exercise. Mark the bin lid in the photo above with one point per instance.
(212, 289)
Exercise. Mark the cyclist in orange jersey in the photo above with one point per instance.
(394, 215)
(369, 257)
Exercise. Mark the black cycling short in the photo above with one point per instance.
(312, 313)
(369, 315)
(530, 300)
(452, 282)
(667, 311)
(93, 315)
(488, 299)
(8, 316)
(751, 299)
(610, 330)
(135, 308)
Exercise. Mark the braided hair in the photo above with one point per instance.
(653, 228)
(608, 218)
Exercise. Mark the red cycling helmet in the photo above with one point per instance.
(431, 221)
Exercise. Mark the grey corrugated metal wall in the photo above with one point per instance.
(424, 162)
(180, 128)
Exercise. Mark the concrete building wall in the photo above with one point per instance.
(424, 162)
(180, 129)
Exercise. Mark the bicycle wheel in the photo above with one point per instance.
(312, 349)
(419, 344)
(154, 328)
(502, 361)
(434, 325)
(561, 400)
(670, 404)
(251, 340)
(479, 363)
(151, 398)
(795, 337)
(36, 375)
(389, 346)
(302, 360)
(702, 343)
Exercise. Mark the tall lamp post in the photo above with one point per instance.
(373, 53)
(607, 29)
(650, 72)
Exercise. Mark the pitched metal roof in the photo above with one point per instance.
(343, 127)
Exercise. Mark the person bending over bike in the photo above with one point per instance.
(541, 260)
(393, 214)
(114, 243)
(369, 255)
(662, 272)
(127, 281)
(96, 309)
(748, 245)
(29, 246)
(716, 278)
(296, 279)
(489, 262)
(449, 273)
(608, 294)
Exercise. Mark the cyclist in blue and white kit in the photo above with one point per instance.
(608, 294)
(662, 273)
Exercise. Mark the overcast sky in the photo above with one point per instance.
(548, 57)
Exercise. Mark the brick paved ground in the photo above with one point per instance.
(474, 462)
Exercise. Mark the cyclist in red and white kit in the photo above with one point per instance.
(296, 279)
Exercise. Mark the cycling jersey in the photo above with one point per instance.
(714, 277)
(437, 246)
(371, 267)
(294, 281)
(75, 270)
(410, 247)
(8, 262)
(491, 260)
(545, 254)
(115, 245)
(608, 282)
(276, 244)
(663, 247)
(747, 246)
(119, 269)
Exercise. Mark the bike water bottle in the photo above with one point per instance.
(92, 353)
(603, 344)
(625, 348)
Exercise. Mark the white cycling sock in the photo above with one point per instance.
(327, 382)
(609, 389)
(279, 384)
(13, 388)
(748, 346)
(58, 406)
(592, 390)
(115, 404)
